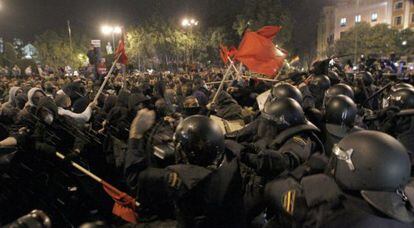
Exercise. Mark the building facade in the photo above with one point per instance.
(344, 14)
(402, 14)
(326, 26)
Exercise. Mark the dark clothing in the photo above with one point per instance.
(228, 108)
(305, 205)
(291, 148)
(203, 197)
(312, 99)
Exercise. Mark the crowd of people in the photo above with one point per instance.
(325, 148)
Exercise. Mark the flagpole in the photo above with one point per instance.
(91, 175)
(222, 82)
(124, 68)
(248, 77)
(106, 78)
(234, 67)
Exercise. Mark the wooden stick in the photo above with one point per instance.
(232, 64)
(217, 82)
(80, 168)
(91, 175)
(247, 77)
(106, 79)
(222, 83)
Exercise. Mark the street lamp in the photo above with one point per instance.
(111, 30)
(404, 43)
(117, 30)
(189, 23)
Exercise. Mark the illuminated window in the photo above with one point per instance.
(343, 22)
(374, 17)
(357, 18)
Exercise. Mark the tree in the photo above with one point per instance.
(405, 42)
(364, 39)
(9, 57)
(158, 43)
(257, 14)
(54, 49)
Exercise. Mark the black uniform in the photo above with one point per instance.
(307, 205)
(203, 197)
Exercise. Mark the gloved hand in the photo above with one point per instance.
(45, 148)
(250, 148)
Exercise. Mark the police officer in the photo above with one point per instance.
(313, 98)
(361, 191)
(251, 132)
(204, 188)
(287, 142)
(364, 88)
(340, 114)
(314, 92)
(399, 119)
(338, 89)
(284, 89)
(288, 139)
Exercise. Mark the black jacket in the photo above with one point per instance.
(203, 197)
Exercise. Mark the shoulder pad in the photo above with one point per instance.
(312, 186)
(276, 190)
(174, 180)
(308, 126)
(190, 175)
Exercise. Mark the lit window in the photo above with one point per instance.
(374, 17)
(343, 22)
(357, 18)
(399, 5)
(398, 20)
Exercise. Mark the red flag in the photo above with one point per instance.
(232, 52)
(124, 206)
(225, 53)
(269, 31)
(121, 51)
(258, 52)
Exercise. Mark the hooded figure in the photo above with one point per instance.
(74, 90)
(26, 116)
(13, 93)
(54, 132)
(21, 100)
(33, 96)
(10, 109)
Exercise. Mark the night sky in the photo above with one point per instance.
(27, 18)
